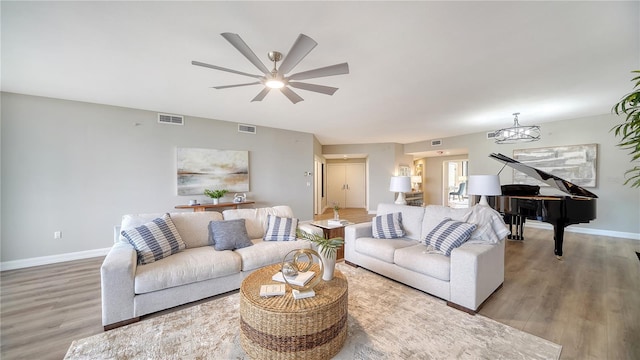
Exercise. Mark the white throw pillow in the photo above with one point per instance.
(387, 226)
(280, 228)
(155, 240)
(448, 235)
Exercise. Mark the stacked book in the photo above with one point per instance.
(300, 280)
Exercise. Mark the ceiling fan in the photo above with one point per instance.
(276, 78)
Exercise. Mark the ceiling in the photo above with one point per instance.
(418, 70)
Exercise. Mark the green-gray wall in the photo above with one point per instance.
(78, 167)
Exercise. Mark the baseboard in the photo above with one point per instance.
(582, 230)
(52, 259)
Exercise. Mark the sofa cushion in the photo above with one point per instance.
(417, 258)
(411, 218)
(192, 226)
(264, 253)
(155, 240)
(448, 235)
(188, 266)
(280, 228)
(387, 226)
(381, 249)
(256, 219)
(229, 234)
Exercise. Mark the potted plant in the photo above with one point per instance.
(328, 249)
(336, 207)
(215, 194)
(629, 130)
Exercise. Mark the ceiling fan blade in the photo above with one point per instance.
(313, 87)
(261, 94)
(239, 44)
(337, 69)
(293, 97)
(198, 63)
(237, 85)
(298, 51)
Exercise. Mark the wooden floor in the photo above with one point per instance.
(589, 302)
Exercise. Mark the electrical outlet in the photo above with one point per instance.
(57, 235)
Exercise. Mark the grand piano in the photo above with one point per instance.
(520, 202)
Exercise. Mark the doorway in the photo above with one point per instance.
(454, 179)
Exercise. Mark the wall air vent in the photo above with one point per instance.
(491, 135)
(170, 119)
(436, 142)
(248, 129)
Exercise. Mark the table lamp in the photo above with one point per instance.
(416, 179)
(484, 185)
(401, 185)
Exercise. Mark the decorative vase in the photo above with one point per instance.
(329, 264)
(336, 215)
(216, 201)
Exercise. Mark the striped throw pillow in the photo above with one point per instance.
(387, 226)
(448, 235)
(280, 228)
(155, 240)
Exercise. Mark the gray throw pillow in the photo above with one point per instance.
(228, 234)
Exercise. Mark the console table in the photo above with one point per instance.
(204, 207)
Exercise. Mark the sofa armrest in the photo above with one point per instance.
(351, 233)
(477, 270)
(117, 275)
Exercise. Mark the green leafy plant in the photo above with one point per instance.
(215, 194)
(336, 206)
(328, 247)
(629, 130)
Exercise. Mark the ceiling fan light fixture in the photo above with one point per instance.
(517, 133)
(274, 83)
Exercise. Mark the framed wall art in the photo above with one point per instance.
(199, 169)
(574, 163)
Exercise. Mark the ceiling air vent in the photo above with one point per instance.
(436, 142)
(249, 129)
(170, 119)
(491, 135)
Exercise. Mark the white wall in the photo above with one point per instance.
(78, 167)
(618, 206)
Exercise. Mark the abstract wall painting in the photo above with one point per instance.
(574, 163)
(200, 169)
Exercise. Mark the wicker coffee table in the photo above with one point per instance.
(282, 327)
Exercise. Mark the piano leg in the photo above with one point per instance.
(558, 237)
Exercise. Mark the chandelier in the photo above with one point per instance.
(517, 133)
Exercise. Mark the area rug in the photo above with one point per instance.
(387, 320)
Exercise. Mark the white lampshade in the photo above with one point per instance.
(401, 185)
(484, 185)
(416, 179)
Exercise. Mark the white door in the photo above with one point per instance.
(355, 192)
(346, 185)
(336, 184)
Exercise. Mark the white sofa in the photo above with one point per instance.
(465, 279)
(130, 290)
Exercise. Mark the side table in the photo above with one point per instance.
(282, 327)
(332, 231)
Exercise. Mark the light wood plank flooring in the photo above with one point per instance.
(589, 302)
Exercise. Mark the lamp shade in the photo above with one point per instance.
(401, 185)
(416, 179)
(484, 185)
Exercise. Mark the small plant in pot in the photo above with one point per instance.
(215, 194)
(328, 249)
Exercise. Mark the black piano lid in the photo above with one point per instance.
(549, 179)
